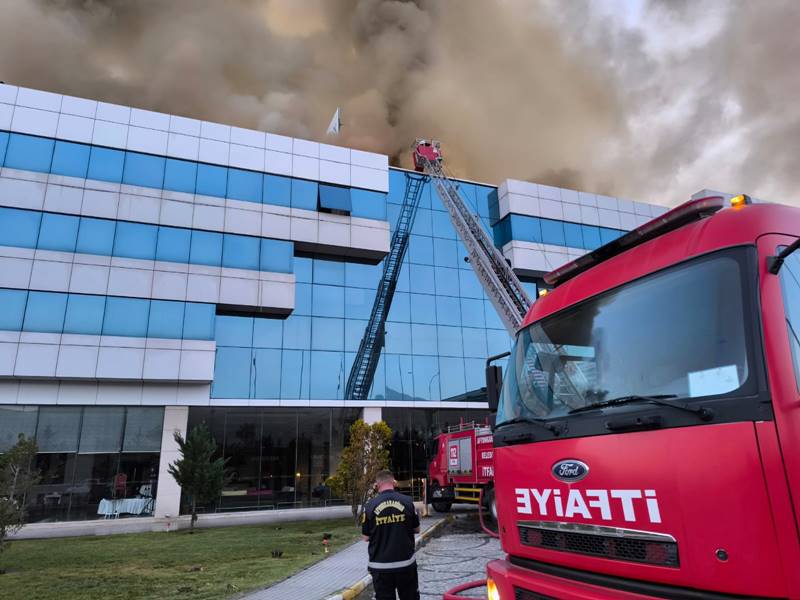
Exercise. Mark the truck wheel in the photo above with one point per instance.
(440, 506)
(491, 504)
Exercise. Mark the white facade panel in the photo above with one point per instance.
(39, 99)
(77, 362)
(6, 113)
(36, 360)
(215, 131)
(305, 148)
(246, 157)
(184, 125)
(305, 167)
(151, 141)
(149, 119)
(183, 146)
(114, 113)
(8, 93)
(75, 129)
(334, 172)
(110, 134)
(120, 363)
(34, 121)
(371, 179)
(279, 163)
(371, 160)
(212, 151)
(334, 153)
(281, 143)
(248, 137)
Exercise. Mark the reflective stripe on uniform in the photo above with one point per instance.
(392, 565)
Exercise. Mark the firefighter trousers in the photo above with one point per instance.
(404, 582)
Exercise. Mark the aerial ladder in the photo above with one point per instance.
(494, 273)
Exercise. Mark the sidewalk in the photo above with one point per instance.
(345, 570)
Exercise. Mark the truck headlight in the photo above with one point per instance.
(492, 592)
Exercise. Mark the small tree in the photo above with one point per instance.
(17, 477)
(199, 474)
(365, 455)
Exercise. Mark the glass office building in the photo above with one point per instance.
(157, 272)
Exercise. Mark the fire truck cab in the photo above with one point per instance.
(647, 438)
(461, 467)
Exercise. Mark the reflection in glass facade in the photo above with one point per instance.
(95, 461)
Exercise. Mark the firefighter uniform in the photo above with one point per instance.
(389, 522)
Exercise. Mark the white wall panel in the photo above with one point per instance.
(248, 137)
(369, 159)
(246, 157)
(134, 283)
(8, 356)
(196, 366)
(183, 146)
(608, 218)
(215, 131)
(114, 135)
(625, 205)
(15, 272)
(243, 221)
(89, 279)
(589, 215)
(149, 119)
(8, 93)
(178, 214)
(305, 148)
(305, 167)
(51, 276)
(627, 221)
(170, 286)
(77, 361)
(80, 107)
(113, 112)
(6, 112)
(211, 218)
(151, 141)
(238, 292)
(141, 209)
(100, 204)
(587, 199)
(275, 226)
(572, 212)
(279, 163)
(281, 143)
(77, 392)
(203, 288)
(184, 125)
(334, 172)
(39, 99)
(334, 153)
(161, 364)
(36, 360)
(75, 129)
(120, 363)
(212, 151)
(607, 202)
(550, 209)
(22, 194)
(34, 121)
(37, 392)
(371, 179)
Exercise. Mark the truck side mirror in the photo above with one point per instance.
(494, 381)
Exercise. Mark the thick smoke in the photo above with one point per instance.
(557, 92)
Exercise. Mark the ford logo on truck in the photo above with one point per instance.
(570, 470)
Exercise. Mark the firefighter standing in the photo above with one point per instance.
(390, 523)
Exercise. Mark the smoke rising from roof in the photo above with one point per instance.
(687, 95)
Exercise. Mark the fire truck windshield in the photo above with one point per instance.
(679, 333)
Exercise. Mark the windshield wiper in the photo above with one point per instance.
(540, 422)
(662, 399)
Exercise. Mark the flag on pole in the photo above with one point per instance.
(336, 123)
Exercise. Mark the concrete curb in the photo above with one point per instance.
(362, 584)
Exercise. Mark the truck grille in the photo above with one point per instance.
(520, 594)
(600, 541)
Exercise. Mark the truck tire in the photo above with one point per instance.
(440, 506)
(491, 504)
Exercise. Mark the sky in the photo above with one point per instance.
(650, 100)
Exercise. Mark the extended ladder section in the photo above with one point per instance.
(362, 373)
(495, 275)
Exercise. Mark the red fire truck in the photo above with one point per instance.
(647, 439)
(461, 467)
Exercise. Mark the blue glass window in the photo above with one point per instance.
(70, 159)
(166, 319)
(19, 228)
(58, 232)
(448, 310)
(403, 284)
(206, 248)
(277, 256)
(304, 194)
(297, 333)
(12, 309)
(180, 176)
(303, 269)
(267, 333)
(240, 252)
(398, 338)
(426, 378)
(44, 312)
(572, 235)
(328, 301)
(361, 275)
(497, 341)
(423, 308)
(399, 383)
(472, 313)
(295, 374)
(173, 244)
(232, 330)
(442, 226)
(277, 190)
(358, 302)
(85, 314)
(267, 373)
(95, 236)
(446, 281)
(450, 342)
(526, 229)
(368, 204)
(106, 164)
(552, 232)
(608, 235)
(474, 342)
(353, 333)
(144, 170)
(484, 197)
(420, 250)
(211, 180)
(232, 373)
(3, 146)
(327, 334)
(469, 285)
(401, 307)
(474, 369)
(422, 222)
(328, 375)
(445, 253)
(330, 272)
(198, 321)
(126, 316)
(29, 153)
(334, 197)
(492, 319)
(591, 237)
(135, 240)
(244, 185)
(423, 339)
(397, 187)
(302, 299)
(451, 379)
(422, 279)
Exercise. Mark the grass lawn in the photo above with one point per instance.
(211, 563)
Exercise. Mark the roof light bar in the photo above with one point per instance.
(694, 210)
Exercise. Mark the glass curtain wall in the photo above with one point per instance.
(95, 461)
(276, 457)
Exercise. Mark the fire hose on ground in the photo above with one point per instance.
(453, 594)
